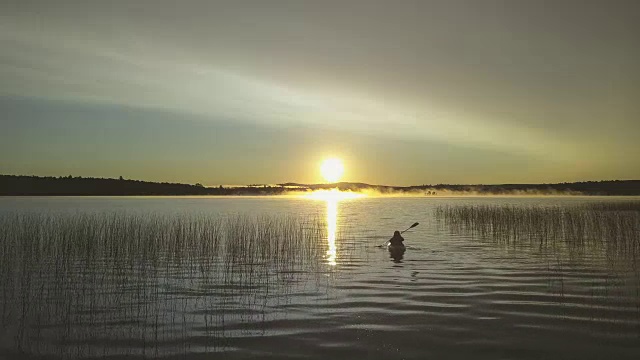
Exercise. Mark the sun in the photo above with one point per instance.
(332, 169)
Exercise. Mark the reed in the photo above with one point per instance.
(79, 285)
(611, 228)
(603, 236)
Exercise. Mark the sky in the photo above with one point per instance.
(247, 92)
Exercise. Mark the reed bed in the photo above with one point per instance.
(70, 283)
(602, 237)
(612, 227)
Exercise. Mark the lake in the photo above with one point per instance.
(291, 277)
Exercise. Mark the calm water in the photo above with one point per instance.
(455, 293)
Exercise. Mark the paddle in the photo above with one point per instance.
(410, 227)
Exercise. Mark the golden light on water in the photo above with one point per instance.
(332, 227)
(333, 194)
(332, 169)
(332, 197)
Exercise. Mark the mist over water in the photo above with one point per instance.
(484, 277)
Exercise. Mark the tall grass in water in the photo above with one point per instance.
(610, 227)
(93, 285)
(603, 236)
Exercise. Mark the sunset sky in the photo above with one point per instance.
(240, 92)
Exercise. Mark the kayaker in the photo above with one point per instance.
(397, 239)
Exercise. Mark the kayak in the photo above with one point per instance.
(396, 248)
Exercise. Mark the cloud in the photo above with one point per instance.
(516, 78)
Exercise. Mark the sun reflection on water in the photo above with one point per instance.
(332, 225)
(333, 194)
(332, 197)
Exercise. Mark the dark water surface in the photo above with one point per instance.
(196, 278)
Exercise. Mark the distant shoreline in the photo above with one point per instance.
(19, 185)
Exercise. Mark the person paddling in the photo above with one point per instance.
(397, 239)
